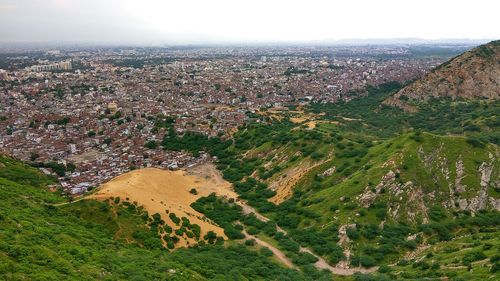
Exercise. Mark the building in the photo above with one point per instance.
(3, 75)
(64, 65)
(113, 107)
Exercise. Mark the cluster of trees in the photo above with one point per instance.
(476, 118)
(194, 143)
(58, 242)
(221, 212)
(58, 168)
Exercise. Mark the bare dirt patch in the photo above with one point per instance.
(162, 191)
(87, 156)
(298, 119)
(285, 182)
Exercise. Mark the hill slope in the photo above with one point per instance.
(92, 240)
(474, 74)
(169, 194)
(356, 198)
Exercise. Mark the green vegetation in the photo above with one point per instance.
(383, 183)
(369, 148)
(443, 116)
(90, 240)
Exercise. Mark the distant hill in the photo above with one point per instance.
(471, 75)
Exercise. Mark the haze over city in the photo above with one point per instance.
(259, 21)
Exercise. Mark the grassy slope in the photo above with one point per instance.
(363, 150)
(319, 195)
(403, 151)
(40, 241)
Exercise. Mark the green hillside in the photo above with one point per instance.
(377, 186)
(42, 239)
(359, 189)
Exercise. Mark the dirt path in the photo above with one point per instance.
(320, 264)
(207, 180)
(277, 252)
(69, 202)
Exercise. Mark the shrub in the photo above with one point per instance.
(475, 142)
(174, 218)
(352, 233)
(266, 252)
(250, 242)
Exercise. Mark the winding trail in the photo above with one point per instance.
(320, 264)
(277, 252)
(68, 202)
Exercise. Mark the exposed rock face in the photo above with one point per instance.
(412, 201)
(343, 238)
(482, 199)
(397, 190)
(328, 172)
(459, 187)
(474, 74)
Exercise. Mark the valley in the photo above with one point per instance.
(398, 180)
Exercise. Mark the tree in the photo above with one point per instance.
(266, 252)
(108, 141)
(151, 144)
(210, 237)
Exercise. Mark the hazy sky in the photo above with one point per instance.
(197, 21)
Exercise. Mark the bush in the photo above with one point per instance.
(384, 269)
(352, 233)
(233, 233)
(473, 256)
(250, 242)
(266, 252)
(475, 142)
(364, 261)
(303, 258)
(174, 218)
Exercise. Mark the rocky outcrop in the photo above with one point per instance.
(482, 199)
(398, 191)
(474, 74)
(460, 174)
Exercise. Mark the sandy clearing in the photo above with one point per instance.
(311, 124)
(159, 191)
(285, 182)
(90, 155)
(297, 119)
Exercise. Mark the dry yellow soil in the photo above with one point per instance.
(285, 182)
(161, 191)
(298, 119)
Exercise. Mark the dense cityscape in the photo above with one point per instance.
(249, 140)
(97, 110)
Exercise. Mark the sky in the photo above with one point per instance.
(244, 21)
